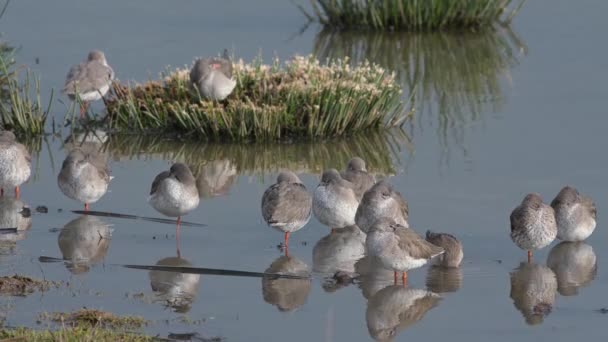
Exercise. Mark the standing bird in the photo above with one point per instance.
(335, 202)
(287, 205)
(381, 201)
(174, 194)
(575, 215)
(15, 163)
(399, 248)
(213, 77)
(453, 248)
(533, 224)
(356, 173)
(89, 80)
(84, 177)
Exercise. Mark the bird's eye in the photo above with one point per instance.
(386, 194)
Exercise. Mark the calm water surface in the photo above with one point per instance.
(500, 114)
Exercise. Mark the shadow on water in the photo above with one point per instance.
(456, 76)
(533, 290)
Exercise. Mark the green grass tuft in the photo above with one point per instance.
(415, 15)
(271, 102)
(72, 334)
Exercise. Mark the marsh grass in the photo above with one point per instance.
(300, 99)
(72, 334)
(22, 110)
(413, 15)
(381, 150)
(94, 318)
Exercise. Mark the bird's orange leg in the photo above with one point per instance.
(395, 276)
(404, 278)
(83, 109)
(17, 192)
(86, 207)
(529, 256)
(287, 244)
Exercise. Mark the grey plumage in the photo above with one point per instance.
(334, 201)
(213, 77)
(533, 289)
(575, 215)
(356, 173)
(453, 248)
(533, 223)
(90, 79)
(381, 201)
(287, 205)
(84, 176)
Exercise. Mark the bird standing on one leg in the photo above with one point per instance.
(15, 163)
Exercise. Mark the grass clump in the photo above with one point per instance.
(412, 15)
(18, 285)
(95, 318)
(21, 110)
(271, 102)
(71, 334)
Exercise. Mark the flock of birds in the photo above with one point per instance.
(341, 200)
(92, 79)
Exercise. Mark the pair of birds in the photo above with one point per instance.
(91, 80)
(570, 217)
(354, 198)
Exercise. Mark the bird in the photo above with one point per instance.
(356, 173)
(15, 163)
(212, 77)
(533, 290)
(399, 248)
(174, 194)
(334, 201)
(381, 201)
(575, 215)
(450, 244)
(287, 205)
(84, 177)
(89, 80)
(533, 224)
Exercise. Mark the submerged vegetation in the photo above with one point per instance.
(72, 334)
(302, 98)
(412, 15)
(18, 285)
(95, 318)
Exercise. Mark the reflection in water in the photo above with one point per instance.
(174, 289)
(215, 178)
(287, 294)
(14, 214)
(574, 264)
(379, 150)
(395, 308)
(533, 289)
(455, 74)
(338, 251)
(444, 279)
(373, 276)
(84, 241)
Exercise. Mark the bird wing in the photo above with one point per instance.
(87, 77)
(413, 244)
(159, 178)
(590, 205)
(286, 202)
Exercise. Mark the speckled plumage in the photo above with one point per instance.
(84, 177)
(15, 161)
(356, 173)
(287, 205)
(575, 215)
(174, 193)
(335, 202)
(91, 79)
(212, 77)
(533, 223)
(381, 201)
(453, 248)
(397, 247)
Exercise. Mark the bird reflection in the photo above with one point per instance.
(176, 290)
(287, 294)
(395, 308)
(14, 214)
(443, 279)
(84, 241)
(373, 276)
(338, 251)
(574, 264)
(215, 178)
(533, 289)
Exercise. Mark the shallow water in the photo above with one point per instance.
(497, 126)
